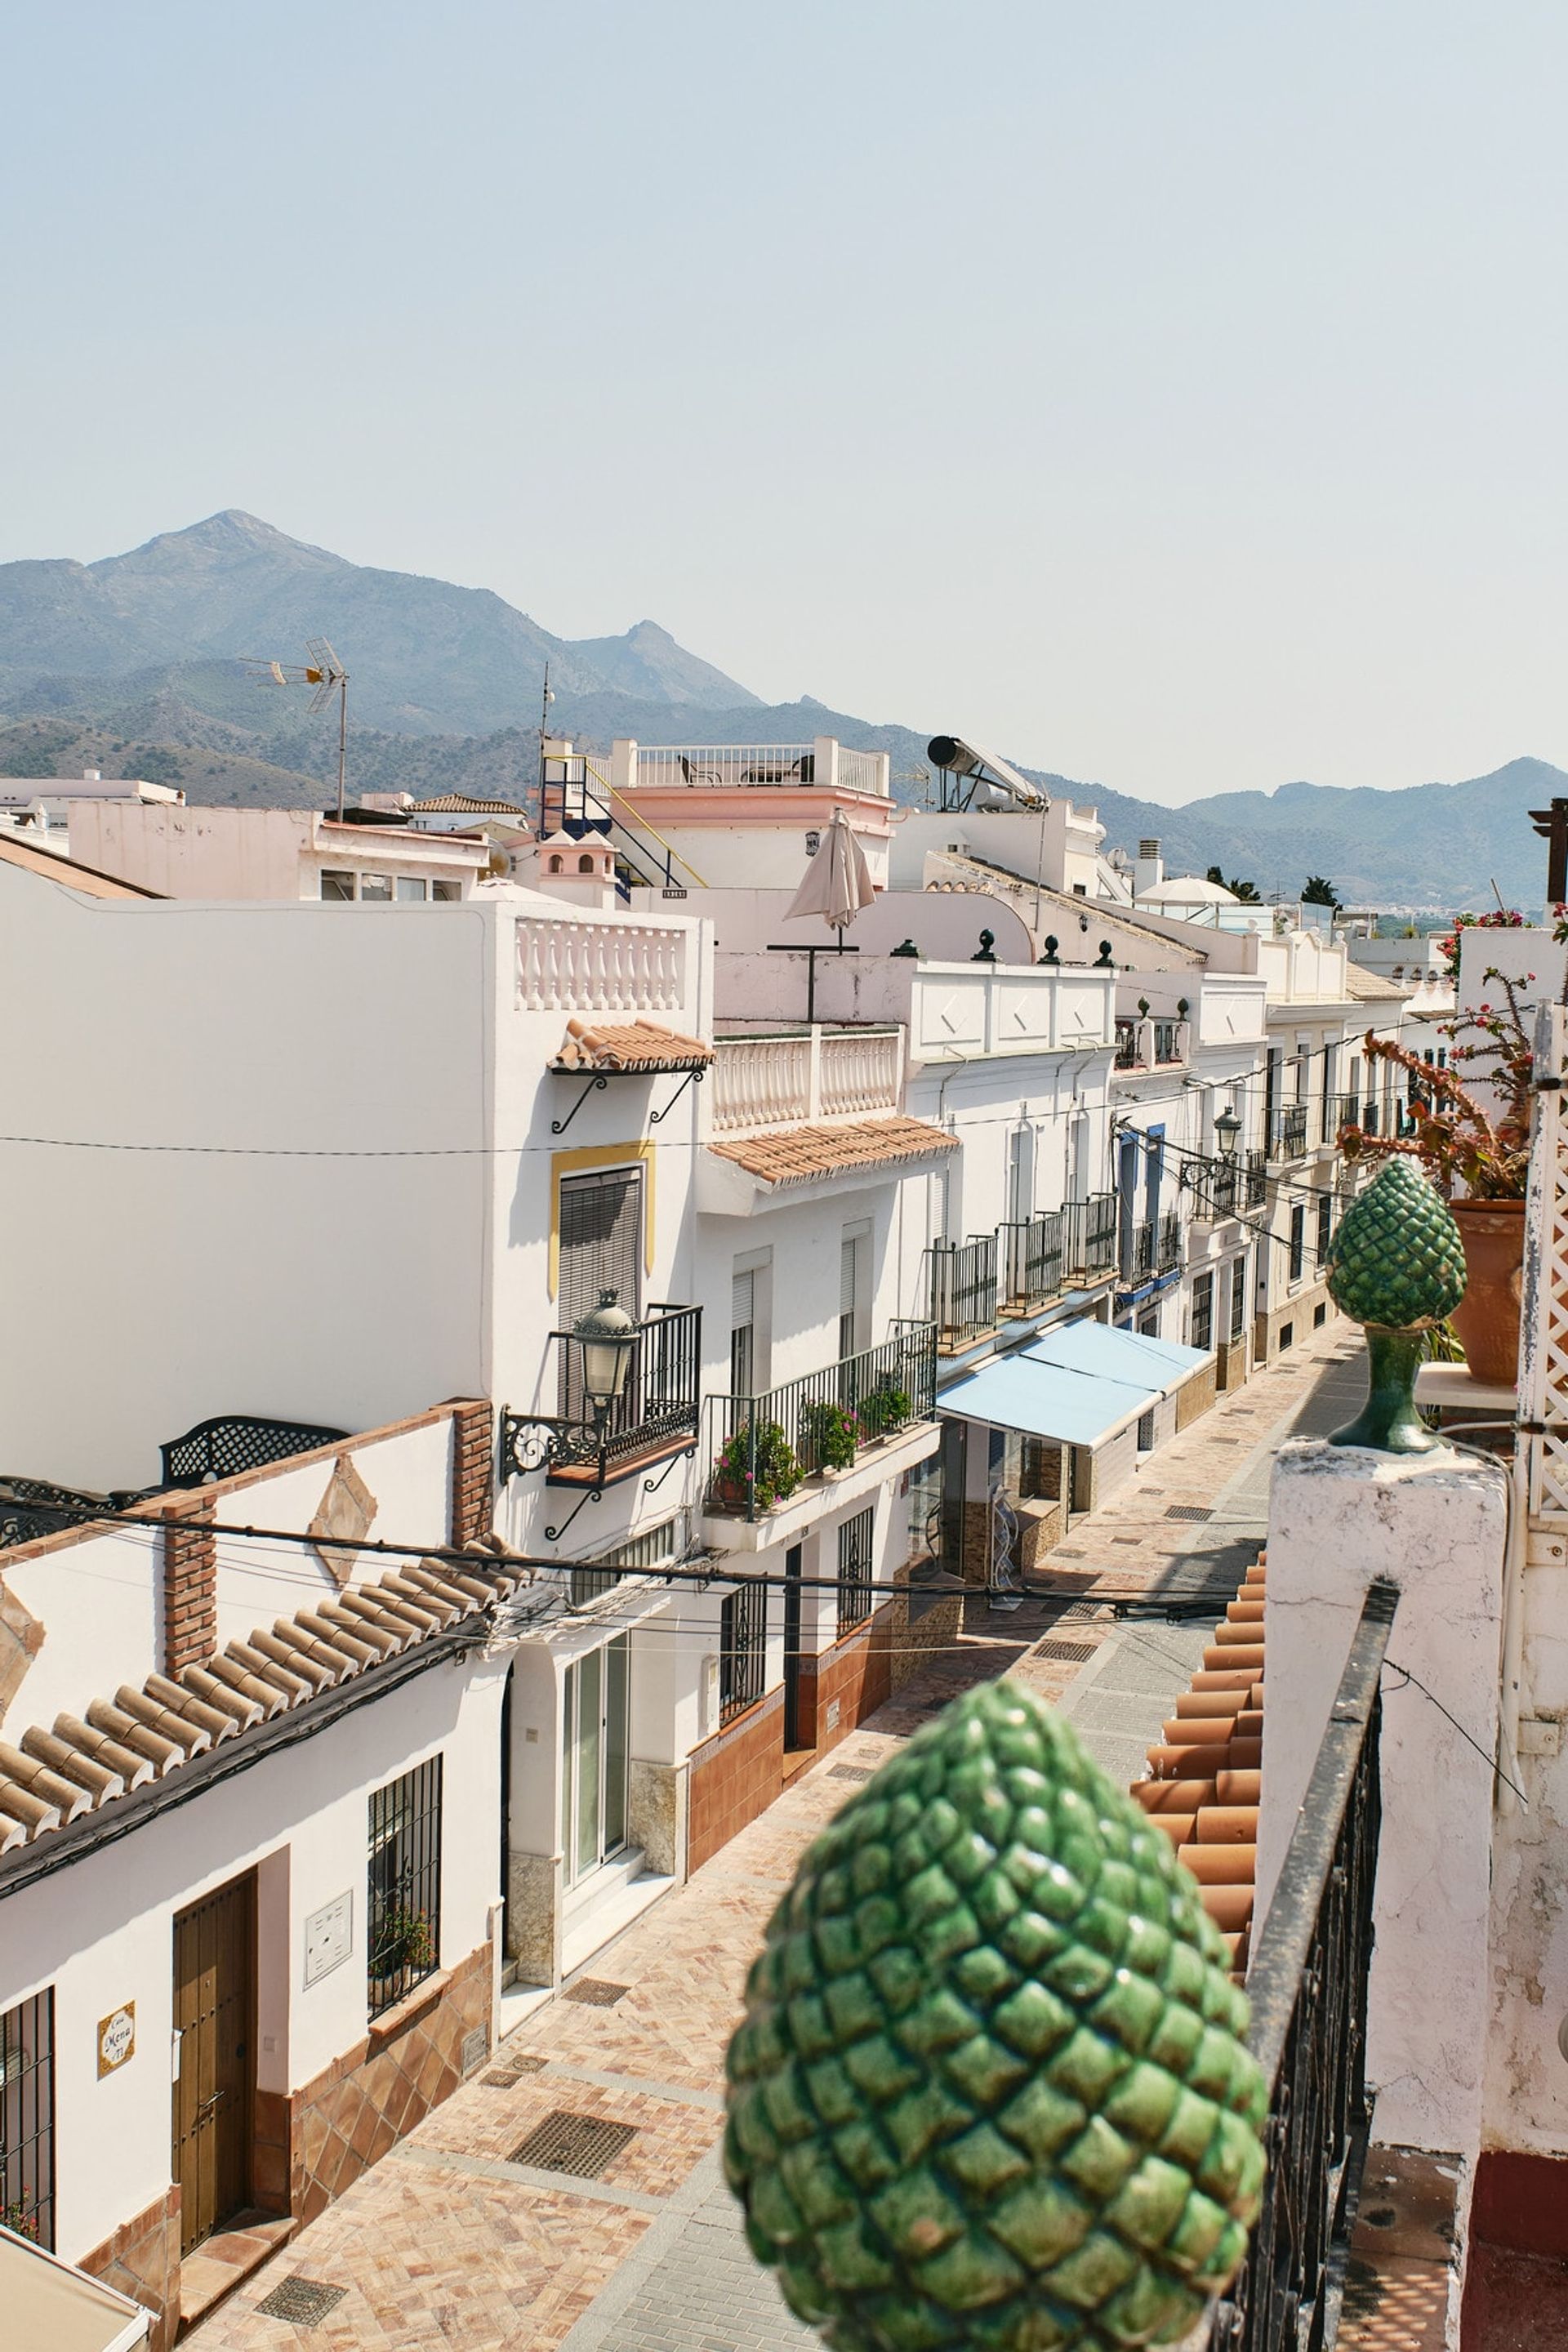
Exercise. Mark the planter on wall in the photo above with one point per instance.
(1487, 1317)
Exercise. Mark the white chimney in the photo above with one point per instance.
(92, 775)
(1150, 868)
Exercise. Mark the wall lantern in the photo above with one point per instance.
(1226, 1128)
(606, 1336)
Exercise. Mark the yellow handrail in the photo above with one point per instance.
(668, 846)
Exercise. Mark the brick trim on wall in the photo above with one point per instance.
(472, 1493)
(190, 1584)
(143, 2260)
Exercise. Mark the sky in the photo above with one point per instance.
(1167, 392)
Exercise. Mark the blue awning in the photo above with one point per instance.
(1103, 1352)
(1041, 1399)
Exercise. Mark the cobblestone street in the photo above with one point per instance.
(467, 2237)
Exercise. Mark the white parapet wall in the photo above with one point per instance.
(1435, 1525)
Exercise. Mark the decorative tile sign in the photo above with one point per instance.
(347, 1509)
(116, 2038)
(329, 1937)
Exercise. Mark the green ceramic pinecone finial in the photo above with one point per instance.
(1396, 1265)
(1397, 1259)
(990, 2091)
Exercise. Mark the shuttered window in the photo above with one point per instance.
(601, 1249)
(743, 1333)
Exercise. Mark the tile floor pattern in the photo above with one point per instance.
(446, 2243)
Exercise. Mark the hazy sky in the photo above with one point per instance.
(1166, 391)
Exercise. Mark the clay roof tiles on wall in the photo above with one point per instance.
(794, 1155)
(49, 1777)
(634, 1046)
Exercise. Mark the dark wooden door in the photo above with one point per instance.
(792, 1738)
(214, 2005)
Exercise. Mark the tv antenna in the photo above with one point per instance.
(325, 672)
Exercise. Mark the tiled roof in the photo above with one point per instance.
(469, 805)
(1203, 1781)
(793, 1155)
(68, 871)
(52, 1777)
(1365, 987)
(638, 1045)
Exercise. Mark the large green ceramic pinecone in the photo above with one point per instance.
(990, 2091)
(1397, 1259)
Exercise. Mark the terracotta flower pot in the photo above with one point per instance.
(1487, 1317)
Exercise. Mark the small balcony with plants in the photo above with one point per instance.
(766, 1451)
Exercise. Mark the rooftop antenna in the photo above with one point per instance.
(547, 698)
(325, 672)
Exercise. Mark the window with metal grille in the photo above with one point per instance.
(856, 1537)
(1298, 1240)
(27, 2119)
(403, 1910)
(1146, 1433)
(742, 1648)
(1203, 1311)
(1238, 1296)
(1325, 1229)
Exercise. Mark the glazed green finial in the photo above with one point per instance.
(990, 2091)
(1398, 1265)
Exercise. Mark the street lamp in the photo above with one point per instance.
(606, 1336)
(1226, 1128)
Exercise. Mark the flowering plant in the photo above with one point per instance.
(886, 1407)
(1450, 1133)
(758, 1465)
(829, 1435)
(1501, 918)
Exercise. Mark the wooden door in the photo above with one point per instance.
(214, 2065)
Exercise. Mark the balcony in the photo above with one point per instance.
(825, 763)
(1347, 1111)
(960, 1281)
(968, 1287)
(656, 1414)
(762, 1450)
(623, 966)
(1255, 1180)
(1288, 1133)
(761, 1082)
(1154, 1247)
(1151, 1045)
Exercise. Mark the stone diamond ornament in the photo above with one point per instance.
(990, 2093)
(1397, 1267)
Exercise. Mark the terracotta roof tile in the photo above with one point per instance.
(636, 1046)
(52, 1777)
(794, 1155)
(1364, 987)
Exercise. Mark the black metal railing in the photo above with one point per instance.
(1347, 1113)
(1257, 1180)
(761, 1449)
(28, 2119)
(742, 1648)
(1308, 1989)
(1369, 1117)
(232, 1441)
(1168, 1241)
(1220, 1188)
(1034, 1259)
(960, 1287)
(1154, 1247)
(402, 1923)
(856, 1547)
(659, 1405)
(30, 1508)
(1126, 1045)
(1288, 1133)
(1089, 1234)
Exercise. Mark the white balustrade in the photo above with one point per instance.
(819, 1074)
(862, 1070)
(616, 967)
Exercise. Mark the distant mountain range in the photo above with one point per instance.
(134, 664)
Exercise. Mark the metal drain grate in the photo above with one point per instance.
(594, 1993)
(1188, 1511)
(304, 2301)
(1072, 1653)
(512, 2070)
(851, 1771)
(475, 2049)
(584, 2144)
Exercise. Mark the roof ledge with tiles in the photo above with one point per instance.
(628, 1047)
(744, 1172)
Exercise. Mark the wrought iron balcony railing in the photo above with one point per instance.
(1126, 1045)
(762, 1449)
(1155, 1247)
(659, 1405)
(960, 1282)
(230, 1442)
(1034, 1259)
(1308, 1988)
(1257, 1180)
(1288, 1133)
(1089, 1233)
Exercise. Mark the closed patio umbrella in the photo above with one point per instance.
(837, 882)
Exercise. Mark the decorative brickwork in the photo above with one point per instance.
(190, 1585)
(472, 1490)
(143, 2260)
(366, 2100)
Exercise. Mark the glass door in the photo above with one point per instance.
(593, 1733)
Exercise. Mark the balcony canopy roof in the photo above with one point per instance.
(1079, 1385)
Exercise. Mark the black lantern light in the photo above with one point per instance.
(1226, 1128)
(606, 1336)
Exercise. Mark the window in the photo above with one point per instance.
(651, 1550)
(336, 884)
(445, 893)
(403, 1930)
(743, 1333)
(601, 1249)
(925, 1492)
(1203, 1311)
(1146, 1433)
(27, 2119)
(1238, 1296)
(1320, 1317)
(856, 1537)
(585, 863)
(742, 1648)
(1020, 1173)
(1287, 1337)
(854, 1269)
(376, 887)
(1298, 1240)
(1040, 1471)
(555, 866)
(412, 889)
(1325, 1229)
(595, 1724)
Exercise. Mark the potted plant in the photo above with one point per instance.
(1460, 1143)
(886, 1408)
(407, 1947)
(829, 1435)
(756, 1467)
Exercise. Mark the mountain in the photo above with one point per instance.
(424, 655)
(135, 664)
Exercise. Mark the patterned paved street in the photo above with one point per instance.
(457, 2240)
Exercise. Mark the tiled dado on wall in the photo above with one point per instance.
(142, 2261)
(363, 2104)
